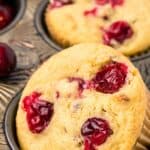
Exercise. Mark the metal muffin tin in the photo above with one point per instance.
(9, 123)
(20, 6)
(28, 36)
(41, 27)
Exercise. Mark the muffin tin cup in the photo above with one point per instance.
(20, 6)
(9, 123)
(41, 26)
(143, 142)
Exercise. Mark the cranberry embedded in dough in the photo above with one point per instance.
(119, 31)
(39, 112)
(91, 12)
(112, 2)
(59, 3)
(111, 77)
(95, 132)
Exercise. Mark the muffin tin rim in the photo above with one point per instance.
(7, 122)
(39, 26)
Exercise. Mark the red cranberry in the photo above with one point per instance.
(95, 132)
(112, 2)
(28, 100)
(59, 3)
(88, 145)
(39, 112)
(111, 77)
(7, 60)
(92, 12)
(118, 31)
(6, 15)
(102, 2)
(116, 2)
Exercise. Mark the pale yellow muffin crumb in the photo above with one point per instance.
(124, 109)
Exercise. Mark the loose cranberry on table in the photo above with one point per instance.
(95, 132)
(7, 60)
(7, 14)
(119, 31)
(39, 112)
(110, 78)
(59, 3)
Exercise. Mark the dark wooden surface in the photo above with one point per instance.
(27, 44)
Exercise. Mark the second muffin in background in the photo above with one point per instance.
(122, 24)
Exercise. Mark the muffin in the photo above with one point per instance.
(122, 24)
(87, 97)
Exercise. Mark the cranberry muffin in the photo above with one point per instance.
(87, 97)
(122, 24)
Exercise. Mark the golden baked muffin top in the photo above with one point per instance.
(87, 97)
(122, 24)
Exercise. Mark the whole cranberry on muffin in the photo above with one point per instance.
(87, 97)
